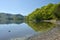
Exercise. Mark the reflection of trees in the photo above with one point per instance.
(11, 21)
(41, 26)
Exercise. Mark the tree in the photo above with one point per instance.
(48, 12)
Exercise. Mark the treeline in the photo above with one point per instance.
(48, 12)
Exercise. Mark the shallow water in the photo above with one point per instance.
(12, 31)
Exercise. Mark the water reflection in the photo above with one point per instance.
(11, 22)
(41, 26)
(18, 31)
(53, 34)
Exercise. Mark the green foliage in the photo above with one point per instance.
(57, 11)
(49, 12)
(17, 19)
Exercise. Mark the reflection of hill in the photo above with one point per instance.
(41, 26)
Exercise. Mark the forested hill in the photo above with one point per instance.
(11, 18)
(47, 12)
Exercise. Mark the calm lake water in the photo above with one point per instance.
(12, 31)
(23, 30)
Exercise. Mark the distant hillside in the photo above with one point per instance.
(11, 18)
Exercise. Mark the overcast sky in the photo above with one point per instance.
(23, 7)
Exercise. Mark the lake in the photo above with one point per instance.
(24, 31)
(12, 31)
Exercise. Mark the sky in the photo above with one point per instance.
(23, 7)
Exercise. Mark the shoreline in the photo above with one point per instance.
(53, 34)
